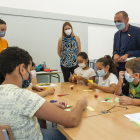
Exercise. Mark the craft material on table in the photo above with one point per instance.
(67, 109)
(87, 90)
(90, 108)
(90, 81)
(117, 100)
(51, 85)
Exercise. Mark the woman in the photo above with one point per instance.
(69, 46)
(3, 42)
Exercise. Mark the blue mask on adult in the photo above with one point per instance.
(120, 26)
(101, 73)
(26, 83)
(127, 77)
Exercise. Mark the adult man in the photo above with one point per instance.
(126, 40)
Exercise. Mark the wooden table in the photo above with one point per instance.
(51, 74)
(112, 126)
(77, 93)
(95, 125)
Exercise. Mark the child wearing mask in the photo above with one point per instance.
(106, 70)
(33, 85)
(3, 42)
(131, 90)
(83, 72)
(20, 107)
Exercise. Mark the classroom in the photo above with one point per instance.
(69, 70)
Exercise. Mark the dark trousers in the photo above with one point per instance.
(66, 72)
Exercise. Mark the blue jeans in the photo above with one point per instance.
(52, 134)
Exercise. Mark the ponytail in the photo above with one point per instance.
(107, 60)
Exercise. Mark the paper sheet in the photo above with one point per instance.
(90, 108)
(51, 85)
(91, 81)
(134, 117)
(130, 58)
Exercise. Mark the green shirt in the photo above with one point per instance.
(129, 89)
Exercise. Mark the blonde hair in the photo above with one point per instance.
(63, 33)
(134, 65)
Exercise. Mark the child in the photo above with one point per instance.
(3, 42)
(39, 90)
(132, 88)
(20, 108)
(83, 72)
(107, 70)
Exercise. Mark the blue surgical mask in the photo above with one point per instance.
(127, 77)
(2, 34)
(120, 26)
(101, 73)
(26, 83)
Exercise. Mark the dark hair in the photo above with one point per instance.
(107, 60)
(83, 55)
(134, 65)
(10, 58)
(125, 15)
(2, 22)
(33, 64)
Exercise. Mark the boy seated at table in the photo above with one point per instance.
(131, 90)
(20, 107)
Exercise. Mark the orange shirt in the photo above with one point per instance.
(3, 44)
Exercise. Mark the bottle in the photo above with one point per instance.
(44, 65)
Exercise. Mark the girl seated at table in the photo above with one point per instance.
(107, 71)
(83, 73)
(33, 85)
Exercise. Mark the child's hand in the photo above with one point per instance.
(78, 78)
(61, 104)
(125, 100)
(91, 86)
(51, 91)
(73, 78)
(39, 89)
(121, 76)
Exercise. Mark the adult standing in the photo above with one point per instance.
(69, 46)
(3, 42)
(126, 40)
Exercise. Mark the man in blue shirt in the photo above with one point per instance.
(126, 40)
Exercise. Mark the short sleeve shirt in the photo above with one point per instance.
(112, 79)
(87, 74)
(3, 44)
(17, 109)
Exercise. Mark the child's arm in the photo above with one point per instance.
(44, 93)
(54, 114)
(118, 90)
(124, 100)
(110, 89)
(92, 78)
(34, 81)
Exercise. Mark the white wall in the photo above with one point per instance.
(100, 40)
(104, 9)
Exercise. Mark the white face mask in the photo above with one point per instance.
(33, 72)
(82, 65)
(68, 32)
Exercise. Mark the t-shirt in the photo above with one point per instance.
(3, 44)
(17, 109)
(130, 90)
(87, 74)
(112, 79)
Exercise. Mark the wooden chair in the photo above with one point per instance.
(5, 133)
